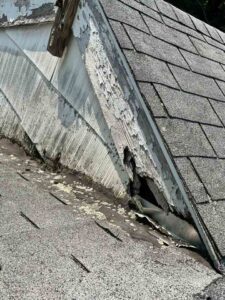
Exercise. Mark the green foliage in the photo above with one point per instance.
(210, 11)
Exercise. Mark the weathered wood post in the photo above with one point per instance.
(61, 29)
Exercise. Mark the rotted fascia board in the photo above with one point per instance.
(26, 12)
(174, 189)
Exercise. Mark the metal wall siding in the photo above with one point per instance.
(72, 125)
(33, 41)
(9, 121)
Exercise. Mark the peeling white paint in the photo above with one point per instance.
(119, 101)
(114, 101)
(16, 12)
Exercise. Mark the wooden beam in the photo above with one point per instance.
(61, 29)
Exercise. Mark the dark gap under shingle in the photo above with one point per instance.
(22, 176)
(57, 198)
(217, 200)
(29, 220)
(189, 121)
(203, 203)
(80, 264)
(197, 156)
(108, 231)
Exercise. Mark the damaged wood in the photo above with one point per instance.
(61, 29)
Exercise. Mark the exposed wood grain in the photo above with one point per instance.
(61, 29)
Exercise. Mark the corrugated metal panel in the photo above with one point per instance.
(9, 122)
(32, 41)
(72, 81)
(52, 123)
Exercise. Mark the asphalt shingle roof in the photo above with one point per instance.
(178, 62)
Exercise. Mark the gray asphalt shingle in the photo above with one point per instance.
(213, 215)
(148, 44)
(150, 4)
(212, 174)
(166, 9)
(213, 32)
(167, 34)
(82, 261)
(175, 25)
(142, 8)
(215, 43)
(204, 66)
(149, 69)
(209, 51)
(190, 177)
(123, 13)
(222, 35)
(216, 137)
(219, 108)
(197, 84)
(185, 106)
(184, 138)
(184, 18)
(221, 85)
(152, 100)
(199, 25)
(121, 35)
